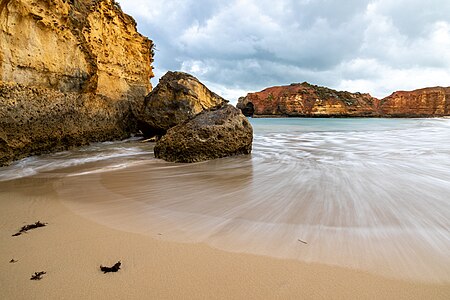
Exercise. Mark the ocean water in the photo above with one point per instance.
(369, 194)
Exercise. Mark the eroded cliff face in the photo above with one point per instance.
(72, 72)
(306, 100)
(418, 103)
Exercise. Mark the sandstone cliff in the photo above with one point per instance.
(72, 72)
(306, 100)
(419, 103)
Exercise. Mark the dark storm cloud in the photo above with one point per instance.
(245, 45)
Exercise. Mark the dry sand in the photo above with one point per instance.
(71, 248)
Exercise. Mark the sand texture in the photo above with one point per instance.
(70, 250)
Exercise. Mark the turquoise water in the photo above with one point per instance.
(370, 194)
(262, 125)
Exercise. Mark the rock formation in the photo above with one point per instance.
(177, 98)
(195, 123)
(211, 134)
(306, 100)
(72, 72)
(428, 102)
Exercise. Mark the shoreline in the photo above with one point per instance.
(71, 248)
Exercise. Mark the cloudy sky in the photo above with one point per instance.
(240, 46)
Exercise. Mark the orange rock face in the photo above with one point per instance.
(71, 73)
(419, 103)
(306, 100)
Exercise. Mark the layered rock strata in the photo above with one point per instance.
(427, 102)
(306, 100)
(72, 72)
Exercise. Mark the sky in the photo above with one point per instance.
(241, 46)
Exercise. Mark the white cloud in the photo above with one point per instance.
(195, 67)
(391, 79)
(239, 46)
(230, 94)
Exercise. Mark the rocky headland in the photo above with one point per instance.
(426, 102)
(71, 72)
(307, 100)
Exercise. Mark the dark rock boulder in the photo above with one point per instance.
(211, 134)
(177, 97)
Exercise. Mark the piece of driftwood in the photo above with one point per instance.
(114, 268)
(37, 275)
(30, 227)
(302, 241)
(13, 261)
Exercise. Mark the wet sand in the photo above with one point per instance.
(369, 198)
(71, 248)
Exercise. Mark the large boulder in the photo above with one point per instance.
(177, 97)
(211, 134)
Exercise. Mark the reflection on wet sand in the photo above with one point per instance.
(371, 199)
(363, 193)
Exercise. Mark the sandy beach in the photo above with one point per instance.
(70, 250)
(224, 150)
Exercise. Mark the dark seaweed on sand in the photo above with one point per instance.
(37, 275)
(114, 268)
(29, 227)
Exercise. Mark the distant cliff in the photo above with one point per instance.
(427, 102)
(72, 72)
(306, 100)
